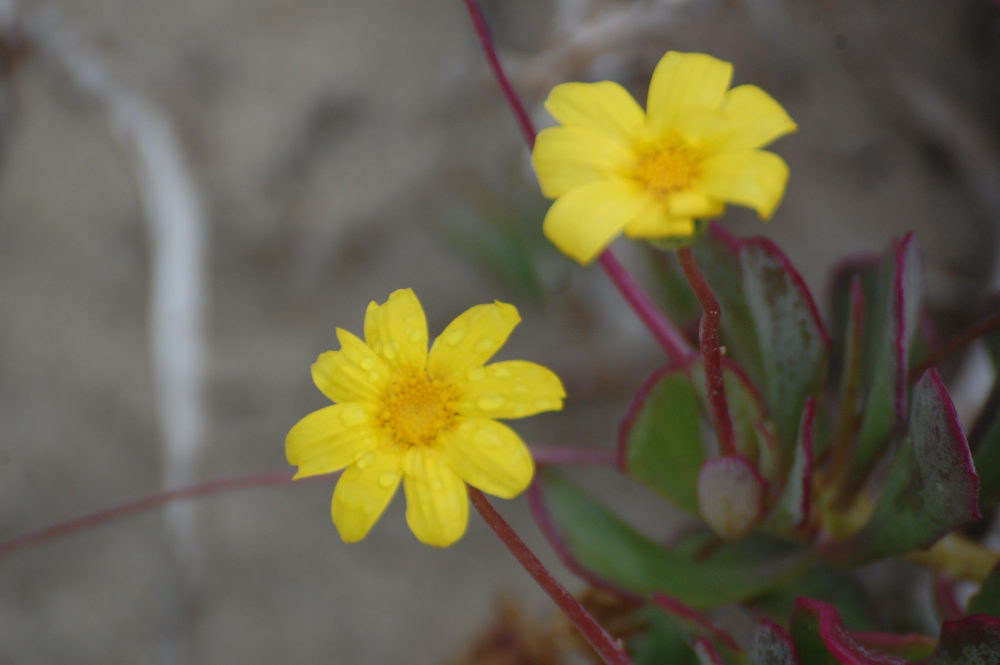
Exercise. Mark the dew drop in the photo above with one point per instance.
(374, 377)
(502, 373)
(387, 479)
(546, 404)
(365, 460)
(476, 374)
(485, 344)
(390, 349)
(490, 402)
(414, 335)
(352, 416)
(455, 337)
(368, 364)
(436, 485)
(521, 388)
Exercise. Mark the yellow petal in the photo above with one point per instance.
(693, 203)
(471, 339)
(682, 85)
(397, 330)
(330, 439)
(754, 178)
(490, 456)
(510, 389)
(749, 118)
(604, 107)
(657, 222)
(363, 492)
(569, 157)
(437, 505)
(584, 221)
(353, 374)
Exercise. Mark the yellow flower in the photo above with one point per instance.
(427, 419)
(612, 167)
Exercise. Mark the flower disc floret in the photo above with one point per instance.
(613, 167)
(425, 419)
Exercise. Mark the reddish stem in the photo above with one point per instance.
(70, 526)
(609, 649)
(664, 332)
(483, 32)
(574, 457)
(711, 353)
(958, 342)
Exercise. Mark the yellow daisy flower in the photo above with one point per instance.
(612, 167)
(427, 419)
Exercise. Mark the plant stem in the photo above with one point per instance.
(663, 331)
(83, 522)
(711, 353)
(609, 649)
(483, 32)
(543, 457)
(956, 343)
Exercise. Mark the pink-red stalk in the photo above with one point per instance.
(663, 331)
(607, 647)
(711, 353)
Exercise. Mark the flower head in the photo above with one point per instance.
(613, 167)
(427, 419)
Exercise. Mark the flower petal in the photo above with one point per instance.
(471, 339)
(683, 83)
(750, 118)
(604, 107)
(510, 389)
(490, 456)
(583, 222)
(569, 157)
(754, 178)
(352, 374)
(330, 439)
(694, 203)
(397, 330)
(437, 505)
(656, 221)
(363, 492)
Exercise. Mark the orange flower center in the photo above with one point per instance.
(416, 409)
(668, 167)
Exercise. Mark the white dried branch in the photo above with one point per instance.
(176, 223)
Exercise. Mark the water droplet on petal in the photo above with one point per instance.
(485, 344)
(521, 388)
(365, 460)
(490, 402)
(502, 373)
(476, 374)
(455, 337)
(390, 349)
(374, 377)
(414, 335)
(436, 485)
(368, 363)
(352, 416)
(546, 404)
(387, 479)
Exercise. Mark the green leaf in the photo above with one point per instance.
(885, 407)
(792, 509)
(931, 487)
(597, 543)
(987, 600)
(820, 638)
(985, 439)
(973, 640)
(834, 586)
(717, 255)
(663, 642)
(794, 344)
(661, 441)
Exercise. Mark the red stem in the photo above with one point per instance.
(711, 353)
(664, 332)
(609, 649)
(543, 457)
(70, 526)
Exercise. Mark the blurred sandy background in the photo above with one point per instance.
(343, 149)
